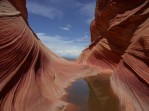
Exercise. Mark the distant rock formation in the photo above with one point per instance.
(120, 42)
(32, 78)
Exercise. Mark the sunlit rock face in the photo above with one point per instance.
(120, 42)
(32, 78)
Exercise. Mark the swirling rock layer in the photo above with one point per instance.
(120, 42)
(32, 78)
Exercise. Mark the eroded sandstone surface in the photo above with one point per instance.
(32, 78)
(120, 42)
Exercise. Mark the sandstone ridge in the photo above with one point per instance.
(120, 42)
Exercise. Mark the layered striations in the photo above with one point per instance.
(32, 78)
(21, 6)
(120, 42)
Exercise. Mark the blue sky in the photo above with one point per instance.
(62, 25)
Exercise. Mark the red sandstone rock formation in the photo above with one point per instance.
(21, 6)
(120, 42)
(32, 78)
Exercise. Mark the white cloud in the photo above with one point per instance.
(66, 28)
(71, 3)
(88, 10)
(62, 46)
(43, 10)
(85, 38)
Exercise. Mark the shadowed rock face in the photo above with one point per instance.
(21, 6)
(120, 42)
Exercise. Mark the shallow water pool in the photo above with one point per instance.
(92, 94)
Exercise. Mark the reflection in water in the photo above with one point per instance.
(78, 95)
(92, 94)
(101, 96)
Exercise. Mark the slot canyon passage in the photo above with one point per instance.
(112, 74)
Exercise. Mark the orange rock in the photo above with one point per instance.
(21, 6)
(32, 78)
(120, 41)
